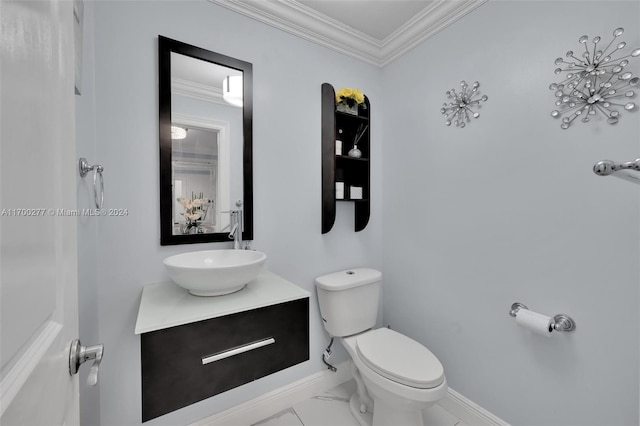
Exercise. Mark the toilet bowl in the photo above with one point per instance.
(400, 375)
(397, 377)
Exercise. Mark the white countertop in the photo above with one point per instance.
(165, 305)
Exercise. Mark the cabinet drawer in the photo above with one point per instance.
(186, 364)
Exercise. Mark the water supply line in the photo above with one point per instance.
(326, 355)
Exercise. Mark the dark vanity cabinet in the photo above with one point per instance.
(189, 362)
(174, 373)
(352, 175)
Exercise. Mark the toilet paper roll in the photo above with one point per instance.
(535, 322)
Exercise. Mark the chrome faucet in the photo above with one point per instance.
(236, 228)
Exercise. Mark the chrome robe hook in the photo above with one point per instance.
(607, 167)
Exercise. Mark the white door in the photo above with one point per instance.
(38, 252)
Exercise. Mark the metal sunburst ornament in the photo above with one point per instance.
(596, 82)
(462, 104)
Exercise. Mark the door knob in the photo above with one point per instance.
(79, 354)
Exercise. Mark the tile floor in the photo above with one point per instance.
(331, 408)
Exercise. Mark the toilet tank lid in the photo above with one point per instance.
(349, 278)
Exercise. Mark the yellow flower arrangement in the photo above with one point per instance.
(350, 97)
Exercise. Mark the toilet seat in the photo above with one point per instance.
(399, 358)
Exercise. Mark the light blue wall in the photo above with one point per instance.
(288, 73)
(504, 210)
(508, 209)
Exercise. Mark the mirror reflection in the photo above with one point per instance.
(197, 187)
(206, 101)
(204, 145)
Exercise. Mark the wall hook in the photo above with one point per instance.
(625, 171)
(607, 167)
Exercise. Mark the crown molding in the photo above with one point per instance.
(431, 20)
(202, 92)
(304, 22)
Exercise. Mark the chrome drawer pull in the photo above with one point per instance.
(237, 350)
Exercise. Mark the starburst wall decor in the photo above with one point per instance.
(462, 104)
(594, 82)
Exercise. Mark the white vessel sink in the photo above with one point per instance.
(214, 272)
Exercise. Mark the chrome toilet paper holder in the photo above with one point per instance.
(560, 322)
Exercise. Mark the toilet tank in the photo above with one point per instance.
(349, 300)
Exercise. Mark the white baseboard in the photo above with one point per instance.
(278, 400)
(468, 411)
(271, 403)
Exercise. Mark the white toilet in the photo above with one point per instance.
(397, 377)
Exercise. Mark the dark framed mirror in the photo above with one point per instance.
(206, 154)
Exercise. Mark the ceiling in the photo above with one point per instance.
(377, 19)
(374, 31)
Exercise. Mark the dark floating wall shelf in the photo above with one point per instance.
(352, 172)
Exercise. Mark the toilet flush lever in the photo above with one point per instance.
(79, 354)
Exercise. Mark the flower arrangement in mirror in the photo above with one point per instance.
(348, 100)
(595, 81)
(194, 212)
